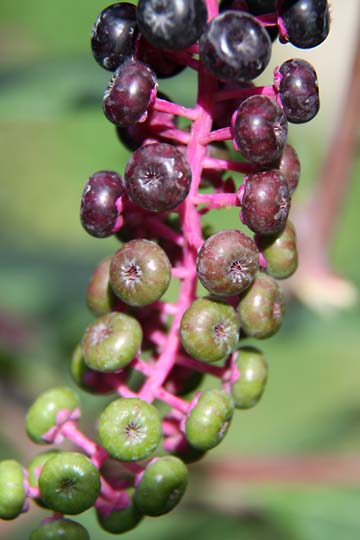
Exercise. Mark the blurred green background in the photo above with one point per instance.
(53, 136)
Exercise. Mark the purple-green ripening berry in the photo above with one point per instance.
(42, 414)
(69, 483)
(208, 422)
(111, 342)
(280, 252)
(121, 521)
(100, 297)
(289, 166)
(60, 529)
(140, 272)
(162, 486)
(253, 372)
(130, 429)
(261, 308)
(227, 262)
(12, 491)
(35, 466)
(209, 329)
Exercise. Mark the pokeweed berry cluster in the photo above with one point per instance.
(140, 346)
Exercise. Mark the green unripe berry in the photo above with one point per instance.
(130, 429)
(261, 308)
(140, 272)
(121, 521)
(100, 297)
(208, 422)
(250, 385)
(280, 252)
(162, 486)
(12, 490)
(111, 342)
(60, 529)
(35, 466)
(209, 329)
(43, 412)
(69, 483)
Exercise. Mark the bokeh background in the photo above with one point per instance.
(53, 136)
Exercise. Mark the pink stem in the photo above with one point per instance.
(177, 135)
(228, 165)
(161, 229)
(210, 369)
(217, 200)
(173, 108)
(224, 134)
(174, 401)
(180, 272)
(242, 93)
(268, 19)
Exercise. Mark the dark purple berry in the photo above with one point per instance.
(235, 46)
(114, 34)
(289, 166)
(140, 272)
(299, 92)
(227, 262)
(172, 24)
(259, 7)
(280, 252)
(307, 22)
(260, 130)
(182, 380)
(163, 65)
(129, 93)
(158, 177)
(265, 203)
(261, 308)
(98, 212)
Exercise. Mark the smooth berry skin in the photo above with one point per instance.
(174, 24)
(100, 297)
(289, 166)
(208, 421)
(140, 272)
(60, 529)
(261, 308)
(130, 429)
(158, 177)
(209, 329)
(162, 486)
(111, 342)
(12, 491)
(299, 91)
(247, 390)
(280, 252)
(69, 483)
(129, 93)
(98, 212)
(85, 378)
(307, 22)
(235, 46)
(34, 469)
(260, 130)
(42, 414)
(265, 203)
(121, 521)
(227, 262)
(113, 35)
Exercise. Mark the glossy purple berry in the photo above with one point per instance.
(163, 65)
(235, 46)
(140, 272)
(289, 166)
(98, 212)
(280, 252)
(172, 24)
(261, 308)
(307, 22)
(158, 177)
(113, 35)
(209, 329)
(299, 92)
(260, 130)
(227, 262)
(129, 93)
(265, 202)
